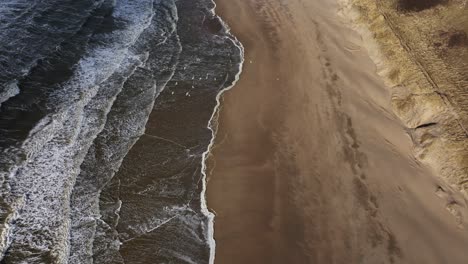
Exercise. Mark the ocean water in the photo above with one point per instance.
(104, 113)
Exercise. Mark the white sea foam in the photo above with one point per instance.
(55, 156)
(81, 245)
(129, 127)
(57, 144)
(212, 125)
(8, 91)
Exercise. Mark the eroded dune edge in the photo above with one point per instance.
(421, 50)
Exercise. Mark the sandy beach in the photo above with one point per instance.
(310, 165)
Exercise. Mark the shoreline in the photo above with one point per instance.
(309, 163)
(204, 208)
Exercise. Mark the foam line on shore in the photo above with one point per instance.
(212, 126)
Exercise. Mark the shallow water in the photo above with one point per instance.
(79, 81)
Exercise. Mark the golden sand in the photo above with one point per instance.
(310, 163)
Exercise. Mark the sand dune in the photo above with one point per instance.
(310, 164)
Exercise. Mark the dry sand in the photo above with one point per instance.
(310, 165)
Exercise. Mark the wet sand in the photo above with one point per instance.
(310, 165)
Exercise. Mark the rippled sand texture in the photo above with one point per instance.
(310, 164)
